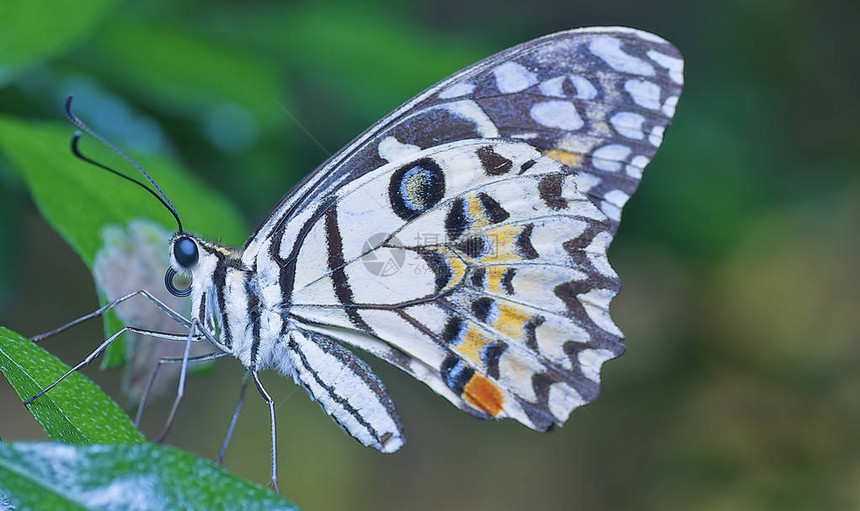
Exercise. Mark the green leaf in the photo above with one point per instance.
(52, 476)
(76, 411)
(32, 30)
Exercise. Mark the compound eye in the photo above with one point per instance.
(185, 252)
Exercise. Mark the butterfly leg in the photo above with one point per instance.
(271, 402)
(180, 390)
(101, 310)
(233, 420)
(154, 375)
(100, 349)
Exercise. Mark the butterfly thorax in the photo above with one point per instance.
(226, 302)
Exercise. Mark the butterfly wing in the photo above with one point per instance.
(503, 292)
(463, 237)
(597, 99)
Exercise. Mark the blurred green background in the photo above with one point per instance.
(740, 388)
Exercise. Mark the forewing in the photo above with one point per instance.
(597, 99)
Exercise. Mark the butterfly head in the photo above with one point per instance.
(184, 256)
(194, 258)
(198, 260)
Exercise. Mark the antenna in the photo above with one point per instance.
(157, 193)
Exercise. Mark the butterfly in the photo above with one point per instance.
(462, 238)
